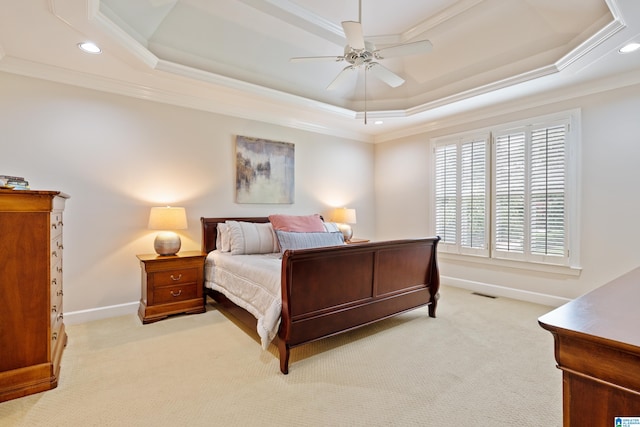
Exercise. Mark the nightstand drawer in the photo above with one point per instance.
(176, 293)
(175, 277)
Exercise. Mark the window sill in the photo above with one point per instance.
(518, 265)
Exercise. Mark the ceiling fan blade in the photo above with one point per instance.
(353, 33)
(341, 77)
(384, 74)
(317, 58)
(422, 46)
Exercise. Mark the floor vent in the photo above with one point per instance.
(483, 295)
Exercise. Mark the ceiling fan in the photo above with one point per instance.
(360, 53)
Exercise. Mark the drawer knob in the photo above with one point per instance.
(176, 294)
(176, 278)
(54, 282)
(54, 309)
(54, 336)
(59, 293)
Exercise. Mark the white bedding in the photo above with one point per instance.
(251, 282)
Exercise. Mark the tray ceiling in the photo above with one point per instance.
(480, 47)
(476, 42)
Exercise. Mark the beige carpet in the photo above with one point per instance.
(482, 362)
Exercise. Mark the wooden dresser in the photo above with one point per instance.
(32, 335)
(597, 347)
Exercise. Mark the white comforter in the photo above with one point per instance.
(251, 282)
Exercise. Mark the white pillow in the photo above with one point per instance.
(223, 238)
(293, 240)
(252, 238)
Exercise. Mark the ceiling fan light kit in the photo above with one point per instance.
(360, 53)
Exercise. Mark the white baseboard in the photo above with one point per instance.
(82, 316)
(501, 291)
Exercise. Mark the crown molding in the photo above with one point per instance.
(444, 119)
(254, 89)
(177, 84)
(592, 43)
(439, 18)
(292, 113)
(301, 18)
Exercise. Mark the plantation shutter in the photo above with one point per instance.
(510, 193)
(461, 194)
(446, 193)
(473, 200)
(530, 191)
(547, 220)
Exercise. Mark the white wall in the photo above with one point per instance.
(610, 199)
(117, 156)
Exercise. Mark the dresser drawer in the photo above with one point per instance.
(56, 319)
(168, 294)
(56, 250)
(56, 334)
(56, 246)
(56, 305)
(56, 273)
(56, 224)
(175, 277)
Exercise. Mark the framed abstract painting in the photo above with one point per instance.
(265, 171)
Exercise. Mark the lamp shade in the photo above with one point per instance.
(344, 215)
(168, 218)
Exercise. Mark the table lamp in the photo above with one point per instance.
(167, 219)
(343, 217)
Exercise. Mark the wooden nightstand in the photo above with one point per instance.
(171, 285)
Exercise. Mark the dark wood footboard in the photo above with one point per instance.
(326, 291)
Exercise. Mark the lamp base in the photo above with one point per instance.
(167, 243)
(346, 230)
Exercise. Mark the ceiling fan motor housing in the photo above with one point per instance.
(358, 56)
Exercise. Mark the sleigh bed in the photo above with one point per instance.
(326, 290)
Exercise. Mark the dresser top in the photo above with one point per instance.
(607, 314)
(4, 192)
(31, 200)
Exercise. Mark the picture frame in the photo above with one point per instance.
(265, 171)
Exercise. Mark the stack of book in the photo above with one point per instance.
(15, 182)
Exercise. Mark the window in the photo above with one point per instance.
(461, 194)
(506, 193)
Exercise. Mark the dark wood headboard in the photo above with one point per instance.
(210, 229)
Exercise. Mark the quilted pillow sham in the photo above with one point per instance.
(294, 240)
(246, 238)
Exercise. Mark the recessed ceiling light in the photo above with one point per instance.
(378, 122)
(630, 47)
(89, 47)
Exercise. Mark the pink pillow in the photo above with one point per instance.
(298, 223)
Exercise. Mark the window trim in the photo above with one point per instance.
(572, 193)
